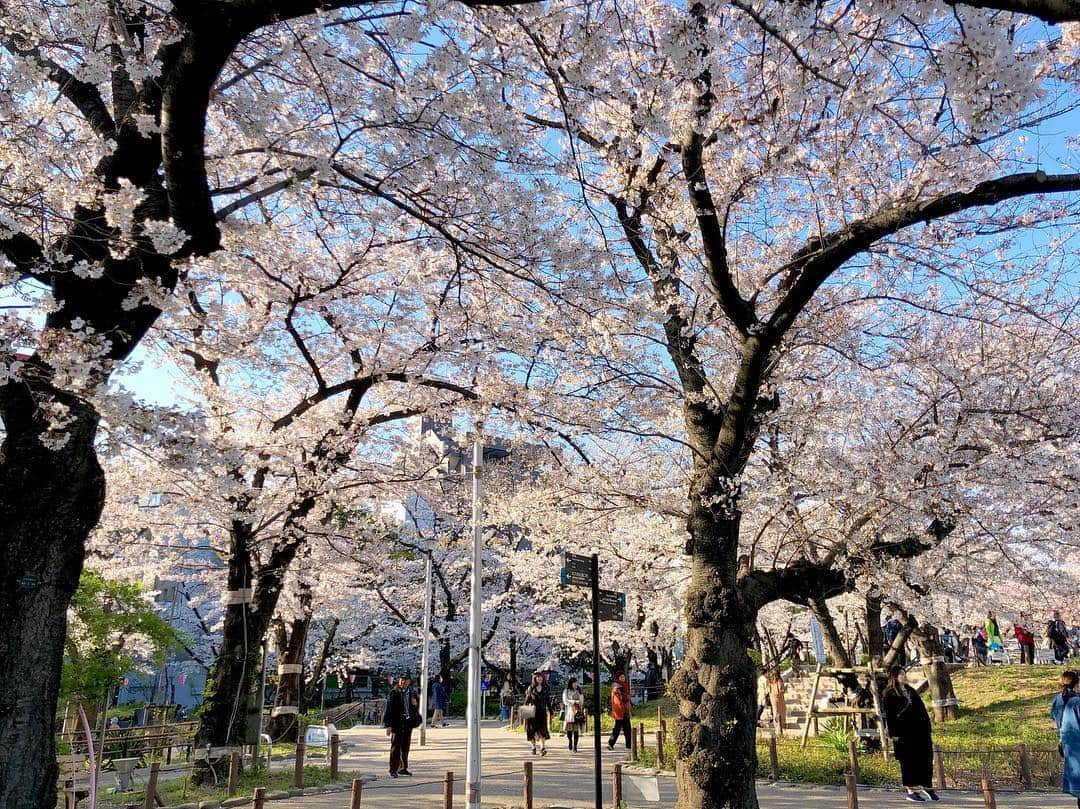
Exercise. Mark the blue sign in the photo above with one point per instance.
(485, 684)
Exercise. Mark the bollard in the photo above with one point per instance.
(448, 790)
(989, 801)
(633, 745)
(663, 726)
(298, 774)
(852, 792)
(528, 785)
(1025, 766)
(335, 749)
(939, 767)
(660, 749)
(234, 772)
(258, 798)
(513, 717)
(357, 793)
(774, 760)
(616, 785)
(853, 759)
(641, 732)
(151, 787)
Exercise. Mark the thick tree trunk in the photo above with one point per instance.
(938, 678)
(716, 686)
(50, 500)
(232, 688)
(284, 724)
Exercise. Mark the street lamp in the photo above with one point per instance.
(472, 777)
(426, 644)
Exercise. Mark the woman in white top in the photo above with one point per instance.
(573, 701)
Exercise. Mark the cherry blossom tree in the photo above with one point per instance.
(747, 169)
(110, 198)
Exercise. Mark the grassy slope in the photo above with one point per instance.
(1001, 706)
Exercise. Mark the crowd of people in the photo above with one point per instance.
(982, 645)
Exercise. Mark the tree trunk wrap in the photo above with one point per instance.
(50, 500)
(284, 727)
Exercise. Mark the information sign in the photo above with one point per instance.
(578, 570)
(611, 605)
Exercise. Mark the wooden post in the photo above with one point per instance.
(641, 733)
(335, 749)
(513, 717)
(939, 767)
(447, 790)
(989, 801)
(357, 792)
(1025, 766)
(528, 785)
(633, 745)
(298, 773)
(258, 798)
(616, 785)
(853, 759)
(151, 787)
(234, 772)
(852, 792)
(774, 760)
(659, 716)
(660, 748)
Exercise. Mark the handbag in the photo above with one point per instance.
(527, 712)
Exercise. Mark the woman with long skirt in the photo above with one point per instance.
(908, 724)
(536, 728)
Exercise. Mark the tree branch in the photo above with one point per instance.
(26, 255)
(812, 265)
(799, 582)
(1052, 11)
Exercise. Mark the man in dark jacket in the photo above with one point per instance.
(1057, 632)
(401, 715)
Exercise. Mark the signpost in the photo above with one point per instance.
(607, 605)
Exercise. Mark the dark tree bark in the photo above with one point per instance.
(313, 690)
(49, 502)
(291, 643)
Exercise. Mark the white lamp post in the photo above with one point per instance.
(424, 650)
(472, 777)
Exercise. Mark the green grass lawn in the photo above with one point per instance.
(1000, 707)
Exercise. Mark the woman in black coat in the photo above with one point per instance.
(536, 729)
(909, 727)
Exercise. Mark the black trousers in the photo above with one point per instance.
(400, 743)
(621, 725)
(1027, 652)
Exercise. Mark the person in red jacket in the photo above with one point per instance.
(1025, 636)
(620, 710)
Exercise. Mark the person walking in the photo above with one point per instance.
(441, 702)
(573, 701)
(506, 701)
(1058, 634)
(776, 700)
(621, 710)
(1065, 711)
(1024, 632)
(538, 698)
(908, 724)
(401, 715)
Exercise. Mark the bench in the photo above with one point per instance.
(74, 778)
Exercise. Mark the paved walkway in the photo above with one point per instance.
(565, 779)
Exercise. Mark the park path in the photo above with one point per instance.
(565, 779)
